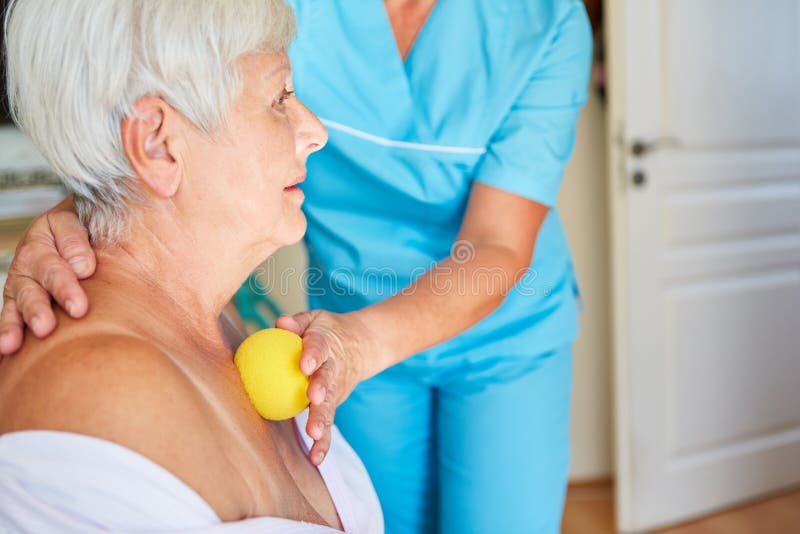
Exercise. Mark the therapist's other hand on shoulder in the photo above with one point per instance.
(337, 352)
(53, 254)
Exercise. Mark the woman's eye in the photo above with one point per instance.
(284, 96)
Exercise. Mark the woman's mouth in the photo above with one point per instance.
(293, 185)
(292, 188)
(294, 191)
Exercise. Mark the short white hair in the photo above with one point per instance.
(76, 67)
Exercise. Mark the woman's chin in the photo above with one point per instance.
(294, 229)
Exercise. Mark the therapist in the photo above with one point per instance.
(441, 269)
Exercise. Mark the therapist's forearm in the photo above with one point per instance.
(445, 301)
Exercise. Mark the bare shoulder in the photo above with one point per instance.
(118, 388)
(125, 390)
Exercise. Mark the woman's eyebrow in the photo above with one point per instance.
(276, 70)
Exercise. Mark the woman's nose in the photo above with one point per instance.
(311, 134)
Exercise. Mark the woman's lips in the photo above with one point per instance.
(293, 185)
(295, 191)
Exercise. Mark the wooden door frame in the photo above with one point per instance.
(618, 220)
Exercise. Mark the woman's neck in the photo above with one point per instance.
(192, 277)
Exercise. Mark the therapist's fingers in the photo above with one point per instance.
(320, 449)
(316, 351)
(54, 253)
(287, 322)
(58, 279)
(72, 242)
(11, 328)
(321, 414)
(313, 347)
(322, 385)
(322, 394)
(297, 323)
(32, 302)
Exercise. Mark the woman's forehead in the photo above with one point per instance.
(266, 66)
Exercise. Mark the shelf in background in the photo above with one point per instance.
(5, 261)
(27, 202)
(27, 186)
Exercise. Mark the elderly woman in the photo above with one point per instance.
(175, 126)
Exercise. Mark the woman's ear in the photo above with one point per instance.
(147, 139)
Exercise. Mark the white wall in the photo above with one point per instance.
(584, 211)
(583, 208)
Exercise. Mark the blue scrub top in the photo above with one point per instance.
(490, 92)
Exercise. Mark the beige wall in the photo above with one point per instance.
(583, 208)
(292, 297)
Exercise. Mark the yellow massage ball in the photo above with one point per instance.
(269, 364)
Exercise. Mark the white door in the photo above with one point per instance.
(705, 117)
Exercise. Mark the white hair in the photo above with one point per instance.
(76, 67)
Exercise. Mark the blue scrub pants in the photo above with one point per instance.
(483, 447)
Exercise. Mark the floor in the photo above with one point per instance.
(590, 510)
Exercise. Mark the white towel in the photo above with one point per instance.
(64, 482)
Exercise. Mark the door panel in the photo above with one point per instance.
(744, 212)
(707, 337)
(729, 70)
(716, 392)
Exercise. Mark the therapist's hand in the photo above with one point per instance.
(336, 348)
(53, 254)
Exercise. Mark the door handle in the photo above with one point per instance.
(640, 148)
